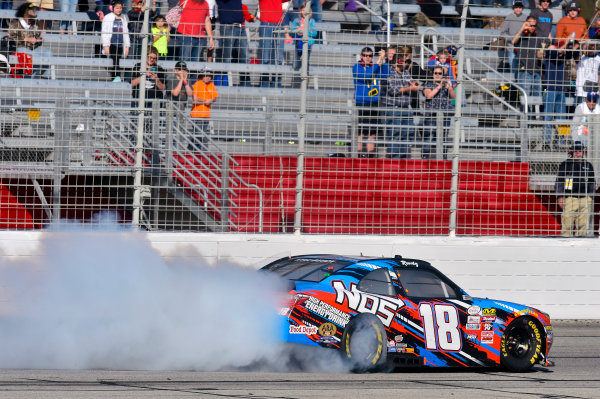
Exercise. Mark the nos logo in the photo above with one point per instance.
(383, 307)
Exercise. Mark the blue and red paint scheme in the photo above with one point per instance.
(427, 317)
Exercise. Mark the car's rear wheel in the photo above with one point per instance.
(364, 343)
(521, 345)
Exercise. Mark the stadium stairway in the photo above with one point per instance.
(384, 196)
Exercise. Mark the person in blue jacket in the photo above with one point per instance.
(366, 95)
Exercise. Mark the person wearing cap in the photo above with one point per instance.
(397, 99)
(575, 188)
(204, 94)
(572, 28)
(178, 87)
(511, 25)
(581, 118)
(530, 52)
(367, 85)
(544, 19)
(439, 94)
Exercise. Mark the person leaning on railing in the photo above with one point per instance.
(575, 188)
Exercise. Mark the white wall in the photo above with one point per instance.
(559, 276)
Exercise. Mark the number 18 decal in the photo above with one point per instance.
(441, 326)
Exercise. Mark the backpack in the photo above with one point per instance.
(23, 67)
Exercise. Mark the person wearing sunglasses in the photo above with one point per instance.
(367, 79)
(439, 94)
(575, 188)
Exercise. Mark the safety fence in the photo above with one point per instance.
(446, 132)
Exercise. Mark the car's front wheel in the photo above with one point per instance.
(521, 345)
(364, 343)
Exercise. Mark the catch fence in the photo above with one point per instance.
(288, 149)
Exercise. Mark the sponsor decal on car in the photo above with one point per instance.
(472, 336)
(505, 306)
(407, 263)
(399, 338)
(473, 319)
(488, 327)
(474, 310)
(327, 311)
(488, 319)
(487, 337)
(383, 307)
(473, 326)
(308, 330)
(327, 329)
(488, 312)
(368, 266)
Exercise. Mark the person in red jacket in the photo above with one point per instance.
(572, 27)
(271, 15)
(194, 27)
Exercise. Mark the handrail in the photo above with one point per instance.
(179, 113)
(423, 46)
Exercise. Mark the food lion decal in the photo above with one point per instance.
(381, 306)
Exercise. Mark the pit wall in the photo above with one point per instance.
(559, 276)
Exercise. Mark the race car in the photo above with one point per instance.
(392, 312)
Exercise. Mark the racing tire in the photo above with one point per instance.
(364, 344)
(521, 345)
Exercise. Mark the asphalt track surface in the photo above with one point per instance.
(576, 352)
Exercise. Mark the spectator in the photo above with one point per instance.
(511, 25)
(28, 37)
(571, 28)
(67, 6)
(390, 53)
(178, 87)
(575, 188)
(317, 10)
(160, 35)
(155, 79)
(555, 84)
(530, 51)
(204, 95)
(194, 27)
(298, 32)
(416, 72)
(397, 99)
(594, 31)
(271, 15)
(579, 126)
(439, 94)
(588, 72)
(8, 43)
(443, 59)
(136, 21)
(233, 34)
(544, 19)
(366, 97)
(115, 38)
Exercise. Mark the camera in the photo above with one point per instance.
(529, 32)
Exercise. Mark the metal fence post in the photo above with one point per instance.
(61, 153)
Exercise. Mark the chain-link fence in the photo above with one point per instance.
(328, 123)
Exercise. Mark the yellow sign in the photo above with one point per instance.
(564, 130)
(33, 114)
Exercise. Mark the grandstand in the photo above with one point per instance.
(280, 159)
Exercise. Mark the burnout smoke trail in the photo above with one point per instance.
(106, 299)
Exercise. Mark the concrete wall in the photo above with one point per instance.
(559, 276)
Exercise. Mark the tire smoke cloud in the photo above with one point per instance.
(105, 299)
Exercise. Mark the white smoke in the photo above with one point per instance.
(104, 298)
